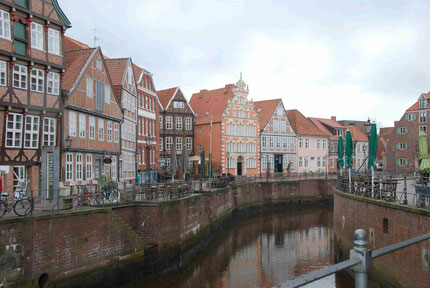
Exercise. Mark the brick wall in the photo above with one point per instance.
(403, 268)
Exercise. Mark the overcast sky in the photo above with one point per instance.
(352, 59)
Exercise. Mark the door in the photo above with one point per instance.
(239, 168)
(98, 167)
(278, 164)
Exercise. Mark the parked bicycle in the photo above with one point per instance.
(84, 197)
(20, 205)
(108, 192)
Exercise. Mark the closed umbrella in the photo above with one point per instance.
(340, 152)
(373, 148)
(424, 154)
(202, 165)
(173, 162)
(348, 152)
(184, 160)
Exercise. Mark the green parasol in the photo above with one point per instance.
(202, 165)
(340, 152)
(424, 153)
(348, 149)
(373, 147)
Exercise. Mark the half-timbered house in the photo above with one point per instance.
(92, 119)
(31, 69)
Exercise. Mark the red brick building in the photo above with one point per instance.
(384, 145)
(124, 86)
(278, 139)
(235, 129)
(176, 122)
(92, 119)
(147, 126)
(31, 68)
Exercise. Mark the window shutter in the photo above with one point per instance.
(406, 146)
(22, 3)
(397, 162)
(406, 162)
(406, 130)
(19, 30)
(398, 130)
(398, 146)
(100, 95)
(414, 116)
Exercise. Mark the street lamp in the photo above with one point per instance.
(368, 126)
(149, 140)
(68, 142)
(201, 165)
(393, 149)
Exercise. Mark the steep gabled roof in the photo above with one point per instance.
(166, 95)
(75, 63)
(416, 105)
(116, 69)
(61, 14)
(302, 125)
(357, 134)
(211, 104)
(72, 44)
(265, 110)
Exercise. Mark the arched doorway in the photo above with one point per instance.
(239, 168)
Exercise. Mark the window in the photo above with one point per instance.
(31, 137)
(161, 122)
(90, 89)
(411, 117)
(79, 166)
(36, 80)
(270, 141)
(402, 146)
(14, 130)
(423, 103)
(278, 142)
(319, 162)
(300, 142)
(53, 41)
(264, 141)
(53, 83)
(92, 128)
(109, 131)
(49, 131)
(82, 125)
(3, 73)
(331, 163)
(19, 176)
(306, 162)
(4, 24)
(100, 91)
(423, 117)
(178, 143)
(72, 123)
(178, 104)
(19, 76)
(20, 38)
(69, 166)
(169, 124)
(116, 132)
(189, 143)
(89, 166)
(318, 143)
(161, 144)
(292, 143)
(113, 167)
(101, 130)
(178, 123)
(169, 143)
(423, 129)
(107, 94)
(402, 130)
(402, 162)
(99, 65)
(275, 125)
(285, 142)
(36, 36)
(188, 123)
(324, 143)
(307, 143)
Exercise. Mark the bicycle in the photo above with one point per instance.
(84, 197)
(108, 192)
(20, 205)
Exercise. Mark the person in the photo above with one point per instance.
(103, 181)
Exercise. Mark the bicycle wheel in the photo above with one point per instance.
(22, 207)
(114, 196)
(3, 208)
(98, 197)
(94, 199)
(77, 201)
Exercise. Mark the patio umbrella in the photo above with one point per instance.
(373, 148)
(184, 161)
(348, 152)
(202, 165)
(424, 153)
(340, 152)
(173, 162)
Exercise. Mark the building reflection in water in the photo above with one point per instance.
(265, 251)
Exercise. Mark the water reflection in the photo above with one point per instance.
(265, 251)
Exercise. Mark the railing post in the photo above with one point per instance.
(361, 252)
(405, 190)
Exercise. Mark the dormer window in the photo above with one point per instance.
(423, 103)
(178, 104)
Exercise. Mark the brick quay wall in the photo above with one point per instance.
(385, 224)
(109, 246)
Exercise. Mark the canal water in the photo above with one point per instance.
(265, 251)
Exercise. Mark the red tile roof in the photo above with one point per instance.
(72, 44)
(137, 72)
(323, 128)
(265, 110)
(385, 131)
(215, 101)
(116, 69)
(416, 105)
(75, 62)
(357, 134)
(302, 125)
(165, 95)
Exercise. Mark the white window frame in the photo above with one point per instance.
(72, 123)
(53, 41)
(79, 166)
(161, 122)
(90, 87)
(101, 129)
(89, 166)
(38, 76)
(307, 143)
(116, 133)
(169, 143)
(178, 142)
(169, 122)
(49, 131)
(20, 75)
(92, 127)
(82, 125)
(189, 143)
(264, 141)
(109, 131)
(36, 36)
(107, 94)
(15, 131)
(3, 73)
(188, 123)
(178, 123)
(69, 166)
(53, 81)
(4, 25)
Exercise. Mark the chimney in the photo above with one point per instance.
(203, 91)
(333, 118)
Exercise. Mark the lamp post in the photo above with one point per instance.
(393, 149)
(201, 165)
(368, 127)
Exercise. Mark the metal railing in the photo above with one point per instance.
(360, 260)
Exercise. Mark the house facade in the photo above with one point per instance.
(228, 118)
(31, 69)
(277, 138)
(148, 128)
(124, 86)
(176, 123)
(92, 118)
(312, 148)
